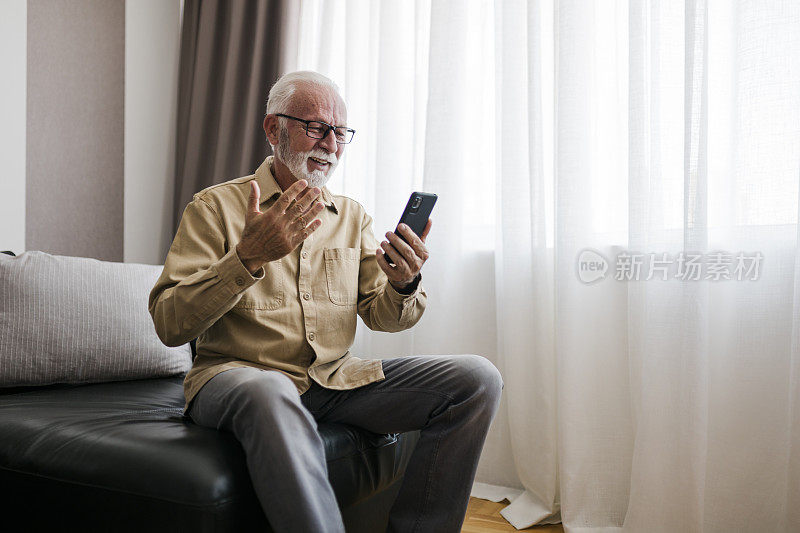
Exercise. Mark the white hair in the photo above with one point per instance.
(281, 93)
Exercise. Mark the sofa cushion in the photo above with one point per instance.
(79, 320)
(127, 445)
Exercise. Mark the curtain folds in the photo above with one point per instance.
(524, 256)
(231, 54)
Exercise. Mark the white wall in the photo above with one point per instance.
(152, 42)
(13, 63)
(75, 136)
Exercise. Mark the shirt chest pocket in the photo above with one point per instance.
(341, 271)
(267, 293)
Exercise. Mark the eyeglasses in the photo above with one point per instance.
(319, 130)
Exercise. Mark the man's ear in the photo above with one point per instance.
(271, 129)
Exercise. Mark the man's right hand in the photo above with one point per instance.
(280, 229)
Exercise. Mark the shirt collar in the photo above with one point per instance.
(269, 187)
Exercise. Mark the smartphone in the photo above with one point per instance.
(416, 214)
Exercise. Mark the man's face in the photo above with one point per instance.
(307, 158)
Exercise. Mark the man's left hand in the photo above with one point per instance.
(408, 258)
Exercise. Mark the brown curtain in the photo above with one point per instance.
(231, 54)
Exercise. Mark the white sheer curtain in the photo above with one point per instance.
(627, 129)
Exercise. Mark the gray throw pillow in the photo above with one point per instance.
(78, 320)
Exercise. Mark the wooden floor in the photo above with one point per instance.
(484, 517)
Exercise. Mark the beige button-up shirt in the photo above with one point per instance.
(297, 315)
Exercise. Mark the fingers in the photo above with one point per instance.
(416, 243)
(307, 216)
(314, 209)
(302, 208)
(303, 234)
(397, 269)
(389, 270)
(397, 273)
(414, 254)
(255, 194)
(299, 222)
(407, 255)
(287, 223)
(305, 201)
(399, 246)
(297, 207)
(290, 194)
(392, 252)
(401, 268)
(426, 230)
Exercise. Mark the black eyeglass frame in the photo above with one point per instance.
(348, 131)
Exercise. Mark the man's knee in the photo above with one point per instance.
(264, 390)
(481, 376)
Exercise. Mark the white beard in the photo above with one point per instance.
(297, 162)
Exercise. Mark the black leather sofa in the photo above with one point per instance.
(120, 456)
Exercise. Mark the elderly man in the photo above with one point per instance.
(268, 272)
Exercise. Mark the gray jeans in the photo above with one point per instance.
(451, 399)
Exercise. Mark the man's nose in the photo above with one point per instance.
(328, 142)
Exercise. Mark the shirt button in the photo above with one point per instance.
(304, 254)
(311, 336)
(240, 281)
(306, 296)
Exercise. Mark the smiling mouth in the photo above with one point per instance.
(319, 162)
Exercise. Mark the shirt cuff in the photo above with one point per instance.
(397, 297)
(234, 274)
